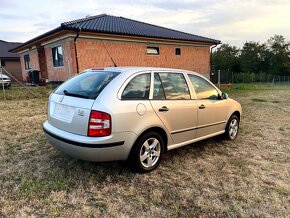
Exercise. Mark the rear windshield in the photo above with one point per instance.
(86, 85)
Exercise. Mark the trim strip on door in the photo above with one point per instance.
(198, 127)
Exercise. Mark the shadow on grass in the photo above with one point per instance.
(118, 169)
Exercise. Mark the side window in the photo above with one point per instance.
(174, 86)
(138, 88)
(203, 89)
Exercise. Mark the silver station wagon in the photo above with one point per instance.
(137, 114)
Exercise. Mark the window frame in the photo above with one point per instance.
(153, 47)
(207, 81)
(59, 62)
(26, 59)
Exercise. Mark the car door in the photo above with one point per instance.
(212, 111)
(172, 103)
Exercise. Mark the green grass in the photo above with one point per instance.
(20, 93)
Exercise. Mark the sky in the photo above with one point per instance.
(233, 22)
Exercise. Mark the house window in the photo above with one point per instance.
(57, 56)
(152, 50)
(2, 64)
(177, 51)
(27, 62)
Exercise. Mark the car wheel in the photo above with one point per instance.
(147, 152)
(232, 128)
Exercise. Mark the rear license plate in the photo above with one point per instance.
(63, 112)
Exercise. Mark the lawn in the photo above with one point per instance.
(249, 177)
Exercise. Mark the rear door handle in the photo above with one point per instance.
(163, 109)
(201, 107)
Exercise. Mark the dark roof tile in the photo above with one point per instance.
(5, 47)
(120, 25)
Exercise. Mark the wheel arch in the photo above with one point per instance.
(158, 130)
(237, 113)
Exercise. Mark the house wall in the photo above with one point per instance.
(14, 67)
(67, 70)
(92, 54)
(34, 62)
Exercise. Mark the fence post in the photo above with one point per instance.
(1, 75)
(219, 79)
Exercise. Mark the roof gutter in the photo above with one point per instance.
(76, 51)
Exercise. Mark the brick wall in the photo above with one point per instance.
(34, 62)
(92, 54)
(68, 69)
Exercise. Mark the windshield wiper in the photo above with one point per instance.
(74, 94)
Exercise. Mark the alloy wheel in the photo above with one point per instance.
(150, 152)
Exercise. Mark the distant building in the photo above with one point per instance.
(10, 61)
(104, 40)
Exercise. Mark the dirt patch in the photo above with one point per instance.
(246, 177)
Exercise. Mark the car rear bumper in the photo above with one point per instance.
(117, 146)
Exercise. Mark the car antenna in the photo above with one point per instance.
(115, 65)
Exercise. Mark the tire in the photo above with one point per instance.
(232, 128)
(147, 152)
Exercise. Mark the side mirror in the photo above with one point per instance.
(225, 96)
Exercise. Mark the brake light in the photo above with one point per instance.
(99, 124)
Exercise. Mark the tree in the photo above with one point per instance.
(272, 57)
(279, 55)
(253, 57)
(227, 57)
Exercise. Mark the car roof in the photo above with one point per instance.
(3, 76)
(131, 70)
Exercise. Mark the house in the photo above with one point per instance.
(10, 61)
(104, 40)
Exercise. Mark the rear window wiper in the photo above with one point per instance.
(74, 94)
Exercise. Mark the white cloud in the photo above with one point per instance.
(229, 21)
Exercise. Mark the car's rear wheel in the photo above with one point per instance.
(147, 152)
(232, 128)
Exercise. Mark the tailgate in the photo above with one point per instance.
(69, 113)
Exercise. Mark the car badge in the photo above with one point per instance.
(81, 112)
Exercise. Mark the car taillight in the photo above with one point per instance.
(99, 124)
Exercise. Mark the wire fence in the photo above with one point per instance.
(227, 77)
